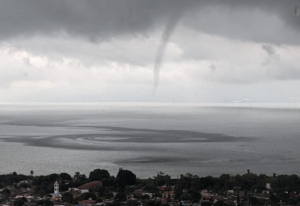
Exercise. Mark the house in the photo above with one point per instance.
(130, 197)
(89, 186)
(147, 193)
(88, 202)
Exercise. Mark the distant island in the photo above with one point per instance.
(125, 189)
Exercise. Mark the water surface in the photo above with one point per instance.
(147, 138)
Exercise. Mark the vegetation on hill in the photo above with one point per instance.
(184, 187)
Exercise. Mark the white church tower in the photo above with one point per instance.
(56, 189)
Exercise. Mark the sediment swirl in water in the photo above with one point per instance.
(104, 139)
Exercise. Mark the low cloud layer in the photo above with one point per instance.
(100, 20)
(106, 50)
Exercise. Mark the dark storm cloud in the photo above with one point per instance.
(93, 19)
(102, 19)
(260, 21)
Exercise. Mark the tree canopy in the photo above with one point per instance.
(99, 174)
(125, 177)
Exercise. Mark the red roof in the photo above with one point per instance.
(87, 202)
(90, 185)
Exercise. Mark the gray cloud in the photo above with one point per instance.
(110, 45)
(269, 49)
(273, 58)
(92, 19)
(105, 19)
(212, 67)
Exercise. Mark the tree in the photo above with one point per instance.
(161, 178)
(153, 203)
(206, 204)
(31, 172)
(20, 201)
(220, 203)
(67, 197)
(65, 176)
(76, 176)
(82, 177)
(42, 193)
(253, 201)
(114, 204)
(24, 185)
(185, 196)
(145, 197)
(132, 203)
(120, 197)
(125, 177)
(5, 194)
(45, 203)
(196, 195)
(99, 174)
(88, 195)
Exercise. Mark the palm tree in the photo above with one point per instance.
(77, 175)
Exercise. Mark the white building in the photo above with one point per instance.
(56, 189)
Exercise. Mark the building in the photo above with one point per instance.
(56, 189)
(88, 202)
(86, 187)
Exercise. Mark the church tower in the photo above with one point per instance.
(56, 189)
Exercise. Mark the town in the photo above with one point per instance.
(100, 188)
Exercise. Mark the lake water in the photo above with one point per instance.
(148, 138)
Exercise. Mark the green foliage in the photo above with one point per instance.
(99, 174)
(67, 197)
(77, 174)
(99, 199)
(125, 177)
(161, 179)
(5, 194)
(12, 178)
(38, 180)
(220, 203)
(185, 196)
(132, 203)
(145, 197)
(158, 194)
(150, 188)
(20, 201)
(120, 197)
(114, 204)
(282, 185)
(196, 196)
(108, 182)
(86, 196)
(65, 176)
(206, 204)
(25, 185)
(153, 203)
(45, 203)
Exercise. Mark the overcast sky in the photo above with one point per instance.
(106, 50)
